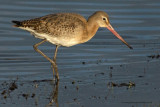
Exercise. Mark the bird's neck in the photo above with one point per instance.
(92, 28)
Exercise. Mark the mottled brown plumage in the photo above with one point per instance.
(66, 29)
(61, 26)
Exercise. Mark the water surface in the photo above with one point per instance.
(85, 69)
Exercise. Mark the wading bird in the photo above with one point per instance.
(65, 29)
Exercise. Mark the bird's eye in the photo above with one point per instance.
(104, 18)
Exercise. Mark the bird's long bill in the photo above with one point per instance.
(109, 27)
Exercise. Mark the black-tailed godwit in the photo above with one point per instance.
(66, 29)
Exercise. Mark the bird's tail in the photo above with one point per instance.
(18, 23)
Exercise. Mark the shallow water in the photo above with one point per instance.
(85, 69)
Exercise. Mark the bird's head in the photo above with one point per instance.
(102, 20)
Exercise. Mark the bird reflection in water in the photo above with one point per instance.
(54, 95)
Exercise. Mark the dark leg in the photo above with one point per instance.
(55, 54)
(51, 61)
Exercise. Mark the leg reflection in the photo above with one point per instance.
(54, 95)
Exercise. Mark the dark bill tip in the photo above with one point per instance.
(130, 47)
